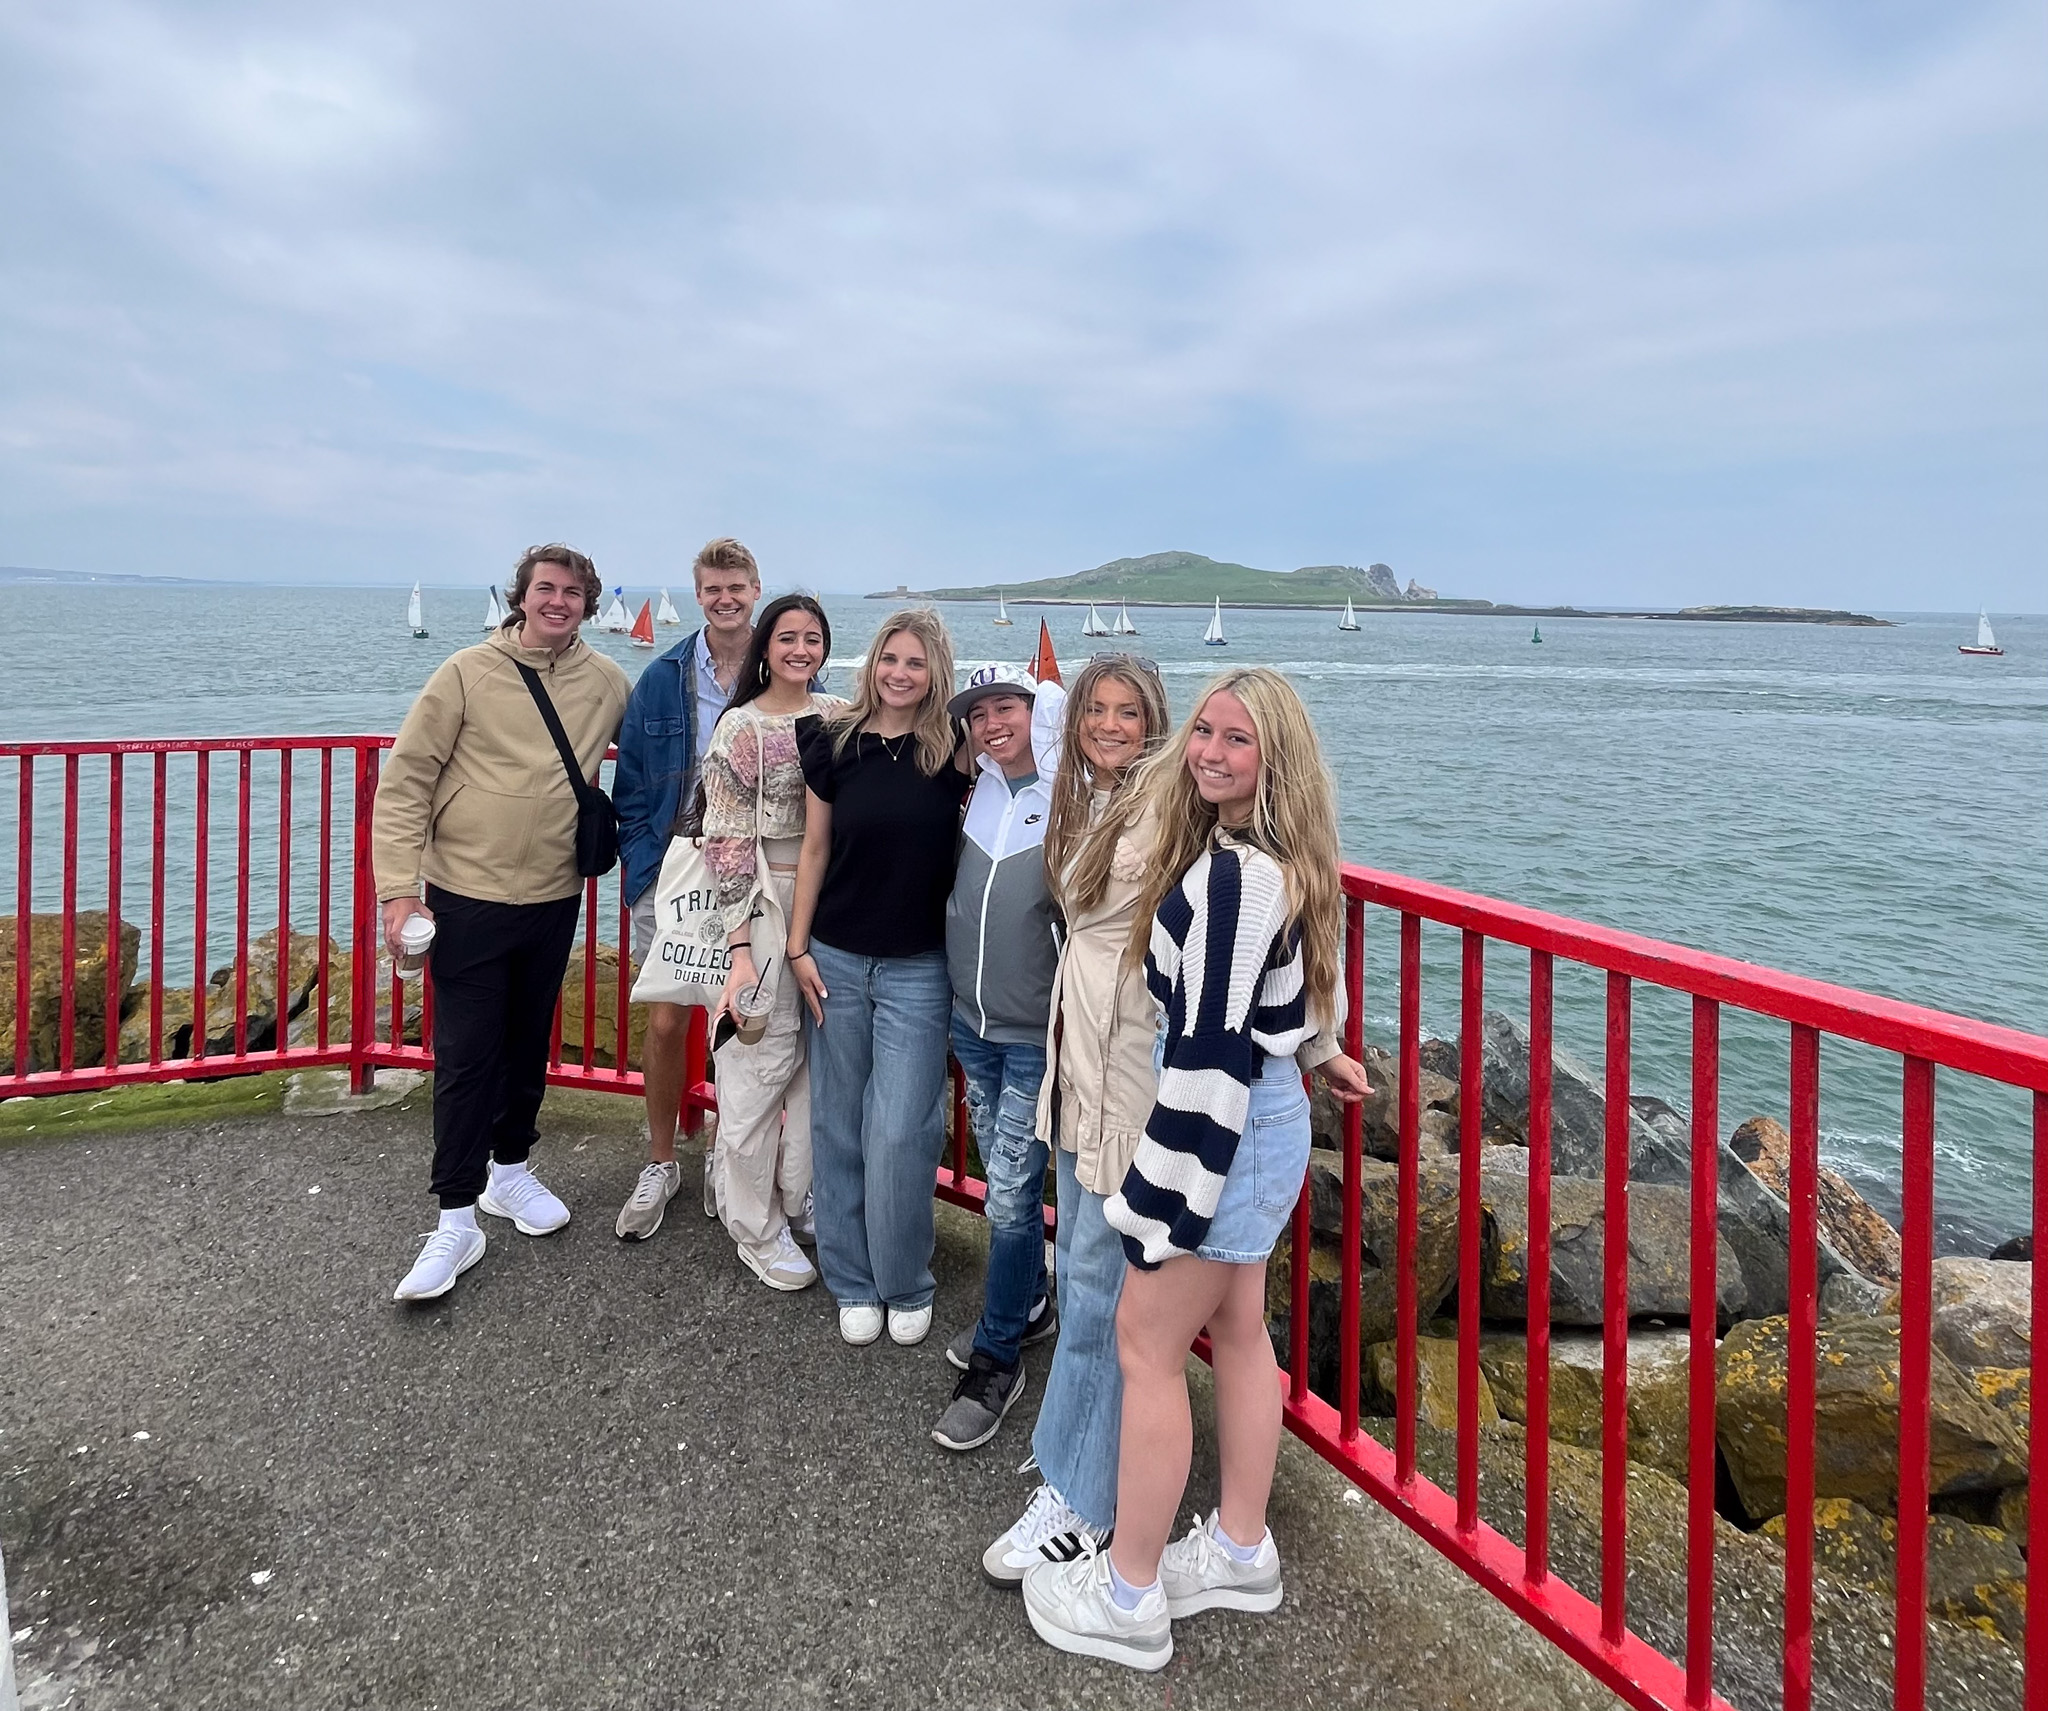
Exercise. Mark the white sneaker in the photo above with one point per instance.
(1198, 1574)
(1071, 1606)
(803, 1222)
(861, 1323)
(909, 1326)
(784, 1267)
(447, 1255)
(515, 1192)
(641, 1216)
(1047, 1531)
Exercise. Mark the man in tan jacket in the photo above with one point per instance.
(475, 805)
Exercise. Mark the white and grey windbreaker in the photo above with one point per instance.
(1001, 923)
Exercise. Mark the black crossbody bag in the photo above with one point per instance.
(597, 820)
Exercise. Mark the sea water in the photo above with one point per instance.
(1863, 806)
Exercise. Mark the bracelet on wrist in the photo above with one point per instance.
(798, 956)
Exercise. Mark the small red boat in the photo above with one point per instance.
(642, 632)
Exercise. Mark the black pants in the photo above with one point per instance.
(497, 972)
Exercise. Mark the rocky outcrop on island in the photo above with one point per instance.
(1981, 1405)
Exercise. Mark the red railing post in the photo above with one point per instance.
(1471, 1098)
(110, 1005)
(1614, 1321)
(159, 815)
(1703, 1322)
(1536, 1444)
(1354, 1179)
(24, 902)
(1801, 1332)
(363, 929)
(67, 1014)
(1916, 1386)
(2036, 1692)
(1407, 1193)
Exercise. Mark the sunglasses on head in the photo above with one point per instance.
(1150, 666)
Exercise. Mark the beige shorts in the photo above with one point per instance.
(643, 926)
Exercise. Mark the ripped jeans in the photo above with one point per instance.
(1002, 1111)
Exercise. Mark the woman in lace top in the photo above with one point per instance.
(754, 819)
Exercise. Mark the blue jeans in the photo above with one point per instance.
(1080, 1422)
(878, 1122)
(1002, 1111)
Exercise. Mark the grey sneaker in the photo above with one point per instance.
(783, 1266)
(1043, 1322)
(1071, 1607)
(1198, 1574)
(803, 1222)
(983, 1396)
(641, 1216)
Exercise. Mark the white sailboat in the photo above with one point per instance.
(495, 614)
(1213, 636)
(1095, 626)
(665, 610)
(1350, 619)
(1123, 625)
(415, 614)
(1987, 643)
(1002, 618)
(616, 620)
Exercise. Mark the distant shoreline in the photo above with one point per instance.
(1447, 608)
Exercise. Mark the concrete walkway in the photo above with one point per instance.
(234, 1473)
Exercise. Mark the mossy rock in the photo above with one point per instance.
(1856, 1382)
(1657, 1389)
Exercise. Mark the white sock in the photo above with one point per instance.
(1238, 1552)
(1123, 1593)
(459, 1218)
(518, 1169)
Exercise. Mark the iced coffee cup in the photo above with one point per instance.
(750, 1007)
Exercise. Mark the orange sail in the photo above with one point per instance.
(1046, 668)
(643, 626)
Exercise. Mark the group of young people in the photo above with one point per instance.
(1125, 933)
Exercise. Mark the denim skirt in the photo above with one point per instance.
(1267, 1170)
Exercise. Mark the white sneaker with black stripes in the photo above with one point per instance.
(1047, 1531)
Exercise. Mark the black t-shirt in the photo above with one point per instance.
(895, 839)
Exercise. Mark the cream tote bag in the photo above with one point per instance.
(688, 961)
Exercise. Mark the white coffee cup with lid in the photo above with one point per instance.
(415, 938)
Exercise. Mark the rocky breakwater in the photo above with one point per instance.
(1982, 1317)
(267, 999)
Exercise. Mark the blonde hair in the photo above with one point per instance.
(932, 727)
(725, 553)
(1293, 819)
(1069, 840)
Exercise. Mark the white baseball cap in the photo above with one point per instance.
(990, 680)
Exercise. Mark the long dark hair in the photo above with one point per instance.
(754, 676)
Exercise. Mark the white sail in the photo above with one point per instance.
(1002, 613)
(494, 614)
(616, 620)
(1985, 639)
(665, 610)
(415, 613)
(1350, 619)
(1213, 637)
(1095, 626)
(1123, 625)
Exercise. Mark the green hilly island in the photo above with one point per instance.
(1189, 579)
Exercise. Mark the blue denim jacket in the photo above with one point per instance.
(657, 748)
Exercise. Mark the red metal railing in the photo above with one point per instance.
(289, 793)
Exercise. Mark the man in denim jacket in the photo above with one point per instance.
(668, 725)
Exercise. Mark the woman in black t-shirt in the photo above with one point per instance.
(867, 947)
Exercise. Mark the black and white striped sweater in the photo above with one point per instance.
(1225, 964)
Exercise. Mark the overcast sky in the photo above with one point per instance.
(1593, 301)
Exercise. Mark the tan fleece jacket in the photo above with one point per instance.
(473, 796)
